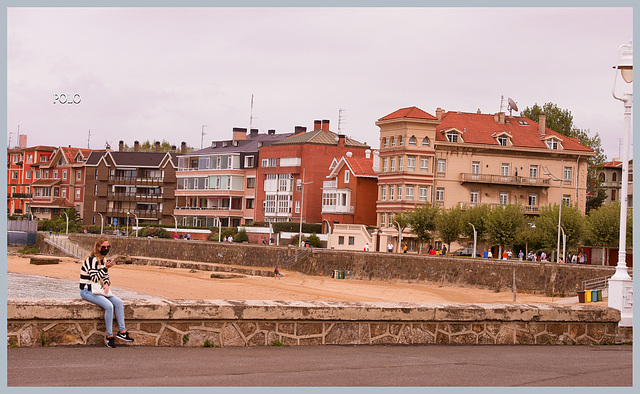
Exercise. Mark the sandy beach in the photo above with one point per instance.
(175, 283)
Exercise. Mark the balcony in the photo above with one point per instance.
(330, 184)
(133, 196)
(132, 180)
(508, 180)
(338, 209)
(21, 195)
(141, 213)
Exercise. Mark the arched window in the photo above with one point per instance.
(412, 141)
(384, 142)
(601, 177)
(614, 177)
(425, 141)
(393, 141)
(400, 141)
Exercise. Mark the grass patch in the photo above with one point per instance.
(208, 343)
(29, 250)
(276, 342)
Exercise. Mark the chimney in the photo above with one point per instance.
(479, 112)
(136, 146)
(239, 134)
(341, 139)
(542, 123)
(121, 146)
(183, 147)
(271, 132)
(300, 129)
(367, 154)
(376, 161)
(499, 117)
(173, 149)
(22, 141)
(157, 146)
(317, 125)
(439, 112)
(502, 118)
(253, 133)
(325, 125)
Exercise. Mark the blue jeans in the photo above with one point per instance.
(109, 304)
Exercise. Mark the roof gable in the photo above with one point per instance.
(409, 112)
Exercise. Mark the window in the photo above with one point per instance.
(504, 198)
(613, 194)
(567, 173)
(440, 194)
(390, 220)
(412, 141)
(346, 176)
(411, 163)
(474, 197)
(424, 164)
(393, 141)
(392, 164)
(502, 140)
(77, 194)
(399, 192)
(400, 141)
(14, 174)
(533, 171)
(298, 185)
(424, 193)
(78, 175)
(504, 169)
(382, 217)
(442, 165)
(533, 199)
(523, 123)
(341, 240)
(425, 141)
(601, 177)
(409, 189)
(452, 136)
(392, 190)
(383, 193)
(16, 158)
(384, 165)
(55, 174)
(249, 161)
(64, 193)
(251, 183)
(250, 203)
(297, 206)
(384, 142)
(566, 200)
(475, 167)
(37, 174)
(29, 157)
(273, 162)
(400, 163)
(64, 174)
(552, 143)
(28, 174)
(614, 177)
(95, 190)
(95, 174)
(352, 240)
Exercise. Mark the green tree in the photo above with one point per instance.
(314, 241)
(241, 237)
(75, 222)
(561, 121)
(571, 221)
(603, 227)
(401, 221)
(504, 224)
(449, 225)
(478, 217)
(422, 221)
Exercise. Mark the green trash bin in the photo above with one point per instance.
(581, 297)
(587, 296)
(599, 298)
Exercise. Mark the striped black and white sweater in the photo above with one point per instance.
(93, 271)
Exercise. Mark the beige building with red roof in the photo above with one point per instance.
(466, 159)
(610, 177)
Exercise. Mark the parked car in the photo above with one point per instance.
(466, 252)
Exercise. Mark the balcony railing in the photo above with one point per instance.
(133, 196)
(215, 208)
(337, 209)
(21, 195)
(330, 184)
(137, 180)
(141, 213)
(507, 180)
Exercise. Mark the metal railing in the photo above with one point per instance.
(63, 244)
(599, 283)
(506, 179)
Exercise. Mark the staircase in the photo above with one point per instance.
(301, 253)
(63, 244)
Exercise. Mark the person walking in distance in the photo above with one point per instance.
(94, 273)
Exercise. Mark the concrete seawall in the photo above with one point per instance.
(52, 322)
(539, 278)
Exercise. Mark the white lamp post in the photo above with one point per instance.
(101, 222)
(65, 214)
(555, 178)
(128, 223)
(621, 284)
(302, 207)
(399, 237)
(475, 240)
(175, 220)
(136, 216)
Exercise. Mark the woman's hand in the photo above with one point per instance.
(105, 287)
(110, 263)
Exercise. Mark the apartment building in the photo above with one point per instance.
(59, 182)
(218, 183)
(290, 179)
(610, 177)
(21, 174)
(466, 159)
(124, 186)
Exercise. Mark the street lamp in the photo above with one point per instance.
(302, 206)
(564, 244)
(175, 220)
(65, 214)
(101, 222)
(475, 240)
(128, 223)
(399, 236)
(328, 233)
(621, 284)
(555, 178)
(136, 216)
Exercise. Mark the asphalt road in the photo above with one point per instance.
(322, 366)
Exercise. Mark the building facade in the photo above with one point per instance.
(610, 177)
(59, 183)
(217, 184)
(122, 186)
(21, 174)
(466, 159)
(291, 175)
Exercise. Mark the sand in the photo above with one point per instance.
(175, 283)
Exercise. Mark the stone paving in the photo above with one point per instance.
(36, 286)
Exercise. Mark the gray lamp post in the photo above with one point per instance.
(621, 284)
(101, 222)
(136, 216)
(475, 240)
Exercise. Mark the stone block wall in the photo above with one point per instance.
(53, 322)
(541, 278)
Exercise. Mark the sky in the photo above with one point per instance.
(161, 74)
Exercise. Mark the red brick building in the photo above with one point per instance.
(284, 164)
(20, 175)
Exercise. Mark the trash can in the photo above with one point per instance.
(587, 296)
(581, 297)
(599, 296)
(341, 274)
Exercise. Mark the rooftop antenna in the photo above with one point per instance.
(501, 103)
(512, 106)
(88, 138)
(340, 120)
(9, 144)
(251, 115)
(202, 136)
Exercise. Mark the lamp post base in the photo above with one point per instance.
(621, 296)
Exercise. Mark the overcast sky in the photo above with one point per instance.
(162, 73)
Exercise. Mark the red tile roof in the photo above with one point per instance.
(361, 166)
(483, 128)
(612, 164)
(410, 112)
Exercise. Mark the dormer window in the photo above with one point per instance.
(452, 136)
(523, 123)
(502, 140)
(552, 143)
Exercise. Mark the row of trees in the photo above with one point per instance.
(508, 226)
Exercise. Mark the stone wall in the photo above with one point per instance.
(542, 278)
(53, 322)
